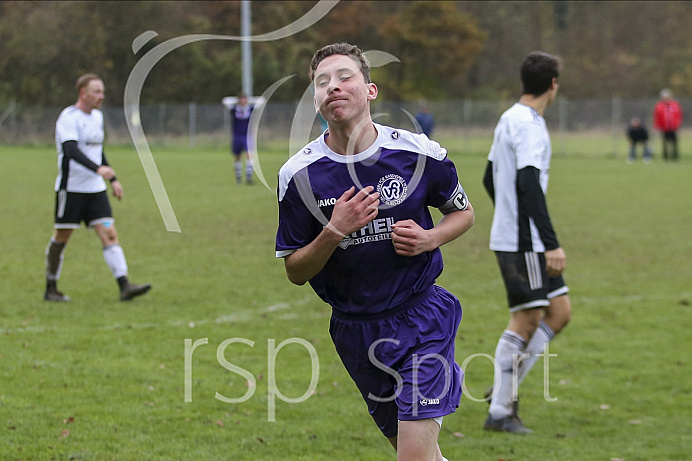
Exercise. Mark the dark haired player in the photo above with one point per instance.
(522, 236)
(354, 222)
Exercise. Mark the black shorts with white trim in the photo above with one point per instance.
(73, 208)
(526, 279)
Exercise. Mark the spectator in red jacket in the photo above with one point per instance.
(667, 119)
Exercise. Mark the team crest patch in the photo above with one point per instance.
(392, 189)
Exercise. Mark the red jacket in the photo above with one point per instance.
(667, 115)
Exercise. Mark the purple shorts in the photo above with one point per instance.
(239, 145)
(403, 361)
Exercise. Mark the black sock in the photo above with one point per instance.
(54, 258)
(51, 285)
(122, 282)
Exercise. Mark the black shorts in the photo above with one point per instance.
(73, 208)
(526, 280)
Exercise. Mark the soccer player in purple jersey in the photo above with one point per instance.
(530, 257)
(354, 223)
(240, 122)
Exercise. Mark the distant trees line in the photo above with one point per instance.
(447, 49)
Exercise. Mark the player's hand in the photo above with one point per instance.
(353, 210)
(555, 261)
(106, 171)
(117, 189)
(409, 238)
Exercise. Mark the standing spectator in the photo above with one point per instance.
(530, 257)
(425, 120)
(240, 121)
(638, 134)
(81, 190)
(667, 119)
(376, 254)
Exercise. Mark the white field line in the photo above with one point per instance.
(238, 316)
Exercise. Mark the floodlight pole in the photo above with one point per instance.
(246, 47)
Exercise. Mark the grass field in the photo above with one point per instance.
(96, 379)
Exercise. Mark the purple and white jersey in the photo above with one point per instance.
(364, 275)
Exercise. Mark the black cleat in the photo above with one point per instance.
(131, 290)
(55, 296)
(511, 424)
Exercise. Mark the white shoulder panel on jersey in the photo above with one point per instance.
(306, 156)
(395, 138)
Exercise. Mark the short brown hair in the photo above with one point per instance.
(345, 49)
(84, 80)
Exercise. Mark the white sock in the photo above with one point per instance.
(238, 169)
(115, 260)
(248, 169)
(509, 349)
(543, 335)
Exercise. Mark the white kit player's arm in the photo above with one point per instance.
(352, 211)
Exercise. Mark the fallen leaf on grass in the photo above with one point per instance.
(68, 420)
(458, 434)
(65, 433)
(220, 423)
(605, 407)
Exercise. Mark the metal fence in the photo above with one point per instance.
(192, 124)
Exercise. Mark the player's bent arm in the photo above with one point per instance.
(72, 152)
(453, 225)
(410, 239)
(307, 262)
(352, 211)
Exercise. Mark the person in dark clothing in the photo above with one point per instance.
(638, 134)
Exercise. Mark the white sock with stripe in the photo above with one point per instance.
(543, 335)
(508, 352)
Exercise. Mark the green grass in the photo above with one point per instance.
(96, 379)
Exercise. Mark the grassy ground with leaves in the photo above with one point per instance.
(97, 379)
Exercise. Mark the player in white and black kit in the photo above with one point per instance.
(80, 189)
(522, 236)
